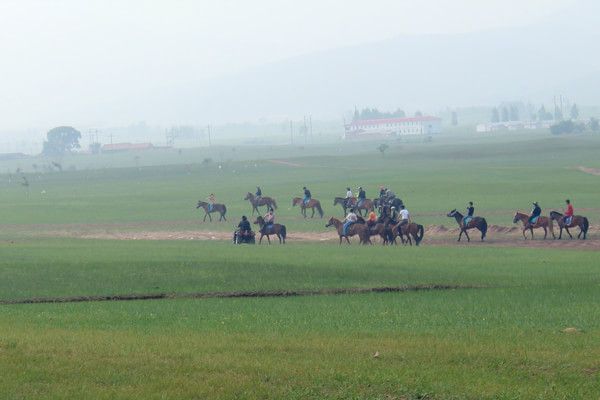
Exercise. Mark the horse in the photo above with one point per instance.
(274, 229)
(220, 208)
(577, 221)
(366, 205)
(477, 222)
(355, 229)
(384, 231)
(312, 204)
(417, 231)
(263, 201)
(542, 222)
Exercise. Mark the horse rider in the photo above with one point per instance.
(269, 218)
(362, 196)
(348, 198)
(307, 195)
(535, 213)
(351, 219)
(568, 217)
(404, 217)
(393, 214)
(244, 227)
(211, 201)
(382, 191)
(258, 193)
(470, 213)
(372, 218)
(389, 195)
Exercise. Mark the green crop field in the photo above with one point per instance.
(297, 321)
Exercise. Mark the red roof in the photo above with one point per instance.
(384, 121)
(127, 146)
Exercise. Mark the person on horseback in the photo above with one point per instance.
(372, 218)
(269, 218)
(569, 212)
(393, 214)
(351, 218)
(348, 198)
(258, 193)
(404, 217)
(470, 213)
(307, 195)
(535, 213)
(211, 201)
(382, 191)
(362, 196)
(390, 196)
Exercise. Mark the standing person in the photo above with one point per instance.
(258, 193)
(307, 195)
(351, 218)
(569, 212)
(211, 201)
(348, 198)
(470, 213)
(535, 213)
(362, 196)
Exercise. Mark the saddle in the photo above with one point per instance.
(568, 221)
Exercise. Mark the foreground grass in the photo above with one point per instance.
(503, 341)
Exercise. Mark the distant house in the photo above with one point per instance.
(388, 128)
(107, 148)
(512, 126)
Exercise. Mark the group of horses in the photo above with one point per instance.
(386, 228)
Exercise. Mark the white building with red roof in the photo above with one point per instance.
(388, 128)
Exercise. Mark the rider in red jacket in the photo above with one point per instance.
(568, 212)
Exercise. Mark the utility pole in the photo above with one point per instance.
(310, 125)
(209, 140)
(292, 132)
(305, 130)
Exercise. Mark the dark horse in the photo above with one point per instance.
(477, 222)
(577, 220)
(355, 229)
(417, 232)
(263, 201)
(542, 222)
(268, 230)
(220, 208)
(366, 205)
(312, 204)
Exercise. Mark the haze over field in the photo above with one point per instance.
(108, 63)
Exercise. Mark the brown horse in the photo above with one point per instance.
(542, 222)
(274, 229)
(263, 201)
(312, 204)
(366, 205)
(412, 229)
(383, 230)
(355, 229)
(477, 222)
(576, 221)
(220, 208)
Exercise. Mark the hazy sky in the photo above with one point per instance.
(63, 60)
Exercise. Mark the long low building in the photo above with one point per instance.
(392, 127)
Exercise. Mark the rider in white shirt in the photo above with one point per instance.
(351, 218)
(404, 216)
(349, 197)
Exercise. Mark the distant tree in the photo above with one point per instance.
(574, 112)
(495, 115)
(514, 113)
(61, 140)
(418, 114)
(558, 115)
(356, 116)
(563, 127)
(373, 113)
(382, 148)
(594, 125)
(95, 148)
(454, 118)
(505, 115)
(399, 113)
(544, 115)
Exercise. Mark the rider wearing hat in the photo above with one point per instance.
(362, 196)
(351, 218)
(269, 217)
(470, 213)
(307, 195)
(348, 198)
(568, 217)
(258, 193)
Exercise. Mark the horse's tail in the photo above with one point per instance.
(484, 228)
(224, 209)
(420, 234)
(551, 227)
(586, 225)
(319, 209)
(283, 233)
(274, 203)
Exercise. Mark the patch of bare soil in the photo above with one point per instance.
(592, 171)
(237, 294)
(287, 163)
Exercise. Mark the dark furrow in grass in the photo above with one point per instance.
(236, 294)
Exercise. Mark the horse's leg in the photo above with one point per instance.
(524, 230)
(269, 239)
(567, 229)
(261, 236)
(340, 240)
(545, 233)
(531, 229)
(313, 212)
(459, 235)
(347, 240)
(205, 214)
(467, 235)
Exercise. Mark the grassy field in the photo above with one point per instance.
(500, 334)
(500, 174)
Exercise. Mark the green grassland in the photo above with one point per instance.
(500, 338)
(500, 173)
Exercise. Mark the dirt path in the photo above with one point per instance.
(591, 171)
